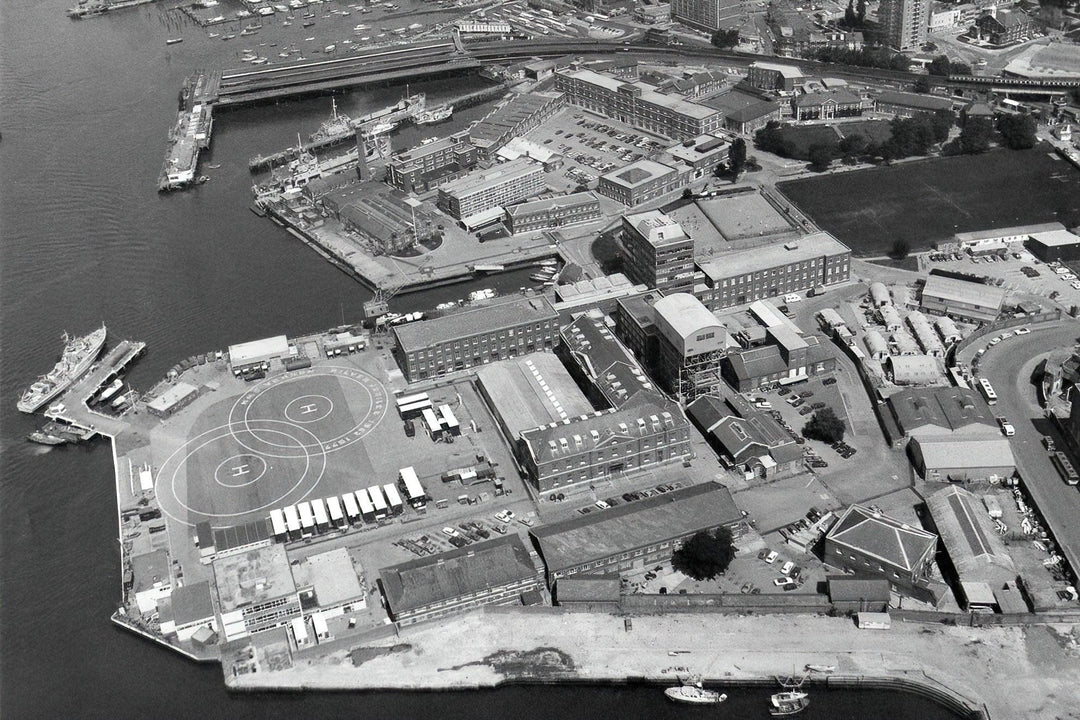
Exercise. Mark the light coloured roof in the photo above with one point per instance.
(1055, 238)
(739, 262)
(647, 93)
(172, 395)
(1003, 232)
(966, 453)
(531, 391)
(252, 577)
(637, 173)
(559, 201)
(242, 353)
(684, 314)
(333, 576)
(492, 177)
(788, 71)
(952, 290)
(883, 537)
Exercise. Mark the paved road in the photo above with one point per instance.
(1008, 366)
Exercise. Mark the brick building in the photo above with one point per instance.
(561, 211)
(497, 186)
(658, 252)
(431, 163)
(642, 181)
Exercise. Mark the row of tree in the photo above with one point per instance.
(866, 57)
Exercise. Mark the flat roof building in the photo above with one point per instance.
(641, 181)
(258, 351)
(591, 592)
(638, 104)
(902, 104)
(502, 329)
(773, 76)
(962, 298)
(255, 591)
(190, 608)
(431, 163)
(702, 154)
(554, 212)
(495, 572)
(905, 24)
(174, 398)
(497, 186)
(634, 536)
(658, 252)
(1054, 245)
(151, 579)
(859, 593)
(868, 542)
(329, 581)
(749, 274)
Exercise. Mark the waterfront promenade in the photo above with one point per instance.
(1017, 672)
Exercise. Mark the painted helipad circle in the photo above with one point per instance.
(308, 409)
(240, 470)
(340, 429)
(172, 476)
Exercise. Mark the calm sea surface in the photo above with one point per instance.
(84, 237)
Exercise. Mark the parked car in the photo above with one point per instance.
(785, 569)
(602, 505)
(771, 557)
(829, 381)
(782, 581)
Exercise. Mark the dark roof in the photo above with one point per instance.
(240, 535)
(150, 568)
(588, 588)
(604, 361)
(639, 524)
(974, 546)
(192, 603)
(852, 588)
(952, 408)
(450, 575)
(483, 319)
(929, 103)
(882, 537)
(840, 97)
(744, 432)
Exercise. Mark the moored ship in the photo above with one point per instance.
(79, 354)
(435, 115)
(694, 694)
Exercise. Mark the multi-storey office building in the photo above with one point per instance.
(425, 166)
(561, 211)
(500, 185)
(658, 252)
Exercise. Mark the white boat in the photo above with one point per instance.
(788, 702)
(485, 294)
(695, 694)
(821, 668)
(110, 390)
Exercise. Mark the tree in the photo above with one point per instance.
(854, 145)
(824, 426)
(1017, 131)
(706, 554)
(860, 13)
(939, 66)
(849, 15)
(900, 249)
(976, 135)
(737, 158)
(922, 84)
(725, 39)
(820, 156)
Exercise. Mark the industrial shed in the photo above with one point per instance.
(947, 329)
(914, 370)
(984, 569)
(962, 459)
(879, 295)
(876, 345)
(890, 318)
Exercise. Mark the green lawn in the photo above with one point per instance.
(927, 201)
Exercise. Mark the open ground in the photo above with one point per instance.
(928, 201)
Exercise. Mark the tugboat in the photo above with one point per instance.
(692, 692)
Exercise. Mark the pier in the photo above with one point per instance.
(72, 407)
(194, 126)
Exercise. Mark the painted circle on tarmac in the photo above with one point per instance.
(339, 429)
(292, 442)
(240, 470)
(308, 409)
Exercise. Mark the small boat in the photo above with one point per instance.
(119, 402)
(43, 438)
(309, 23)
(213, 167)
(695, 694)
(110, 390)
(788, 702)
(173, 41)
(821, 668)
(212, 35)
(540, 277)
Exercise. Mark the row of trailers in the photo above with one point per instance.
(378, 502)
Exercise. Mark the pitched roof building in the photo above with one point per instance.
(745, 436)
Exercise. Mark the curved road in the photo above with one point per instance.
(1008, 366)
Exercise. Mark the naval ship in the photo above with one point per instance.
(79, 354)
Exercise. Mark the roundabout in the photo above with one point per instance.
(269, 448)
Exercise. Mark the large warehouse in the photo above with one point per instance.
(527, 392)
(495, 572)
(636, 535)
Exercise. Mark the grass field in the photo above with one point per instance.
(928, 201)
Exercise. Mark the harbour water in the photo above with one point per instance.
(84, 238)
